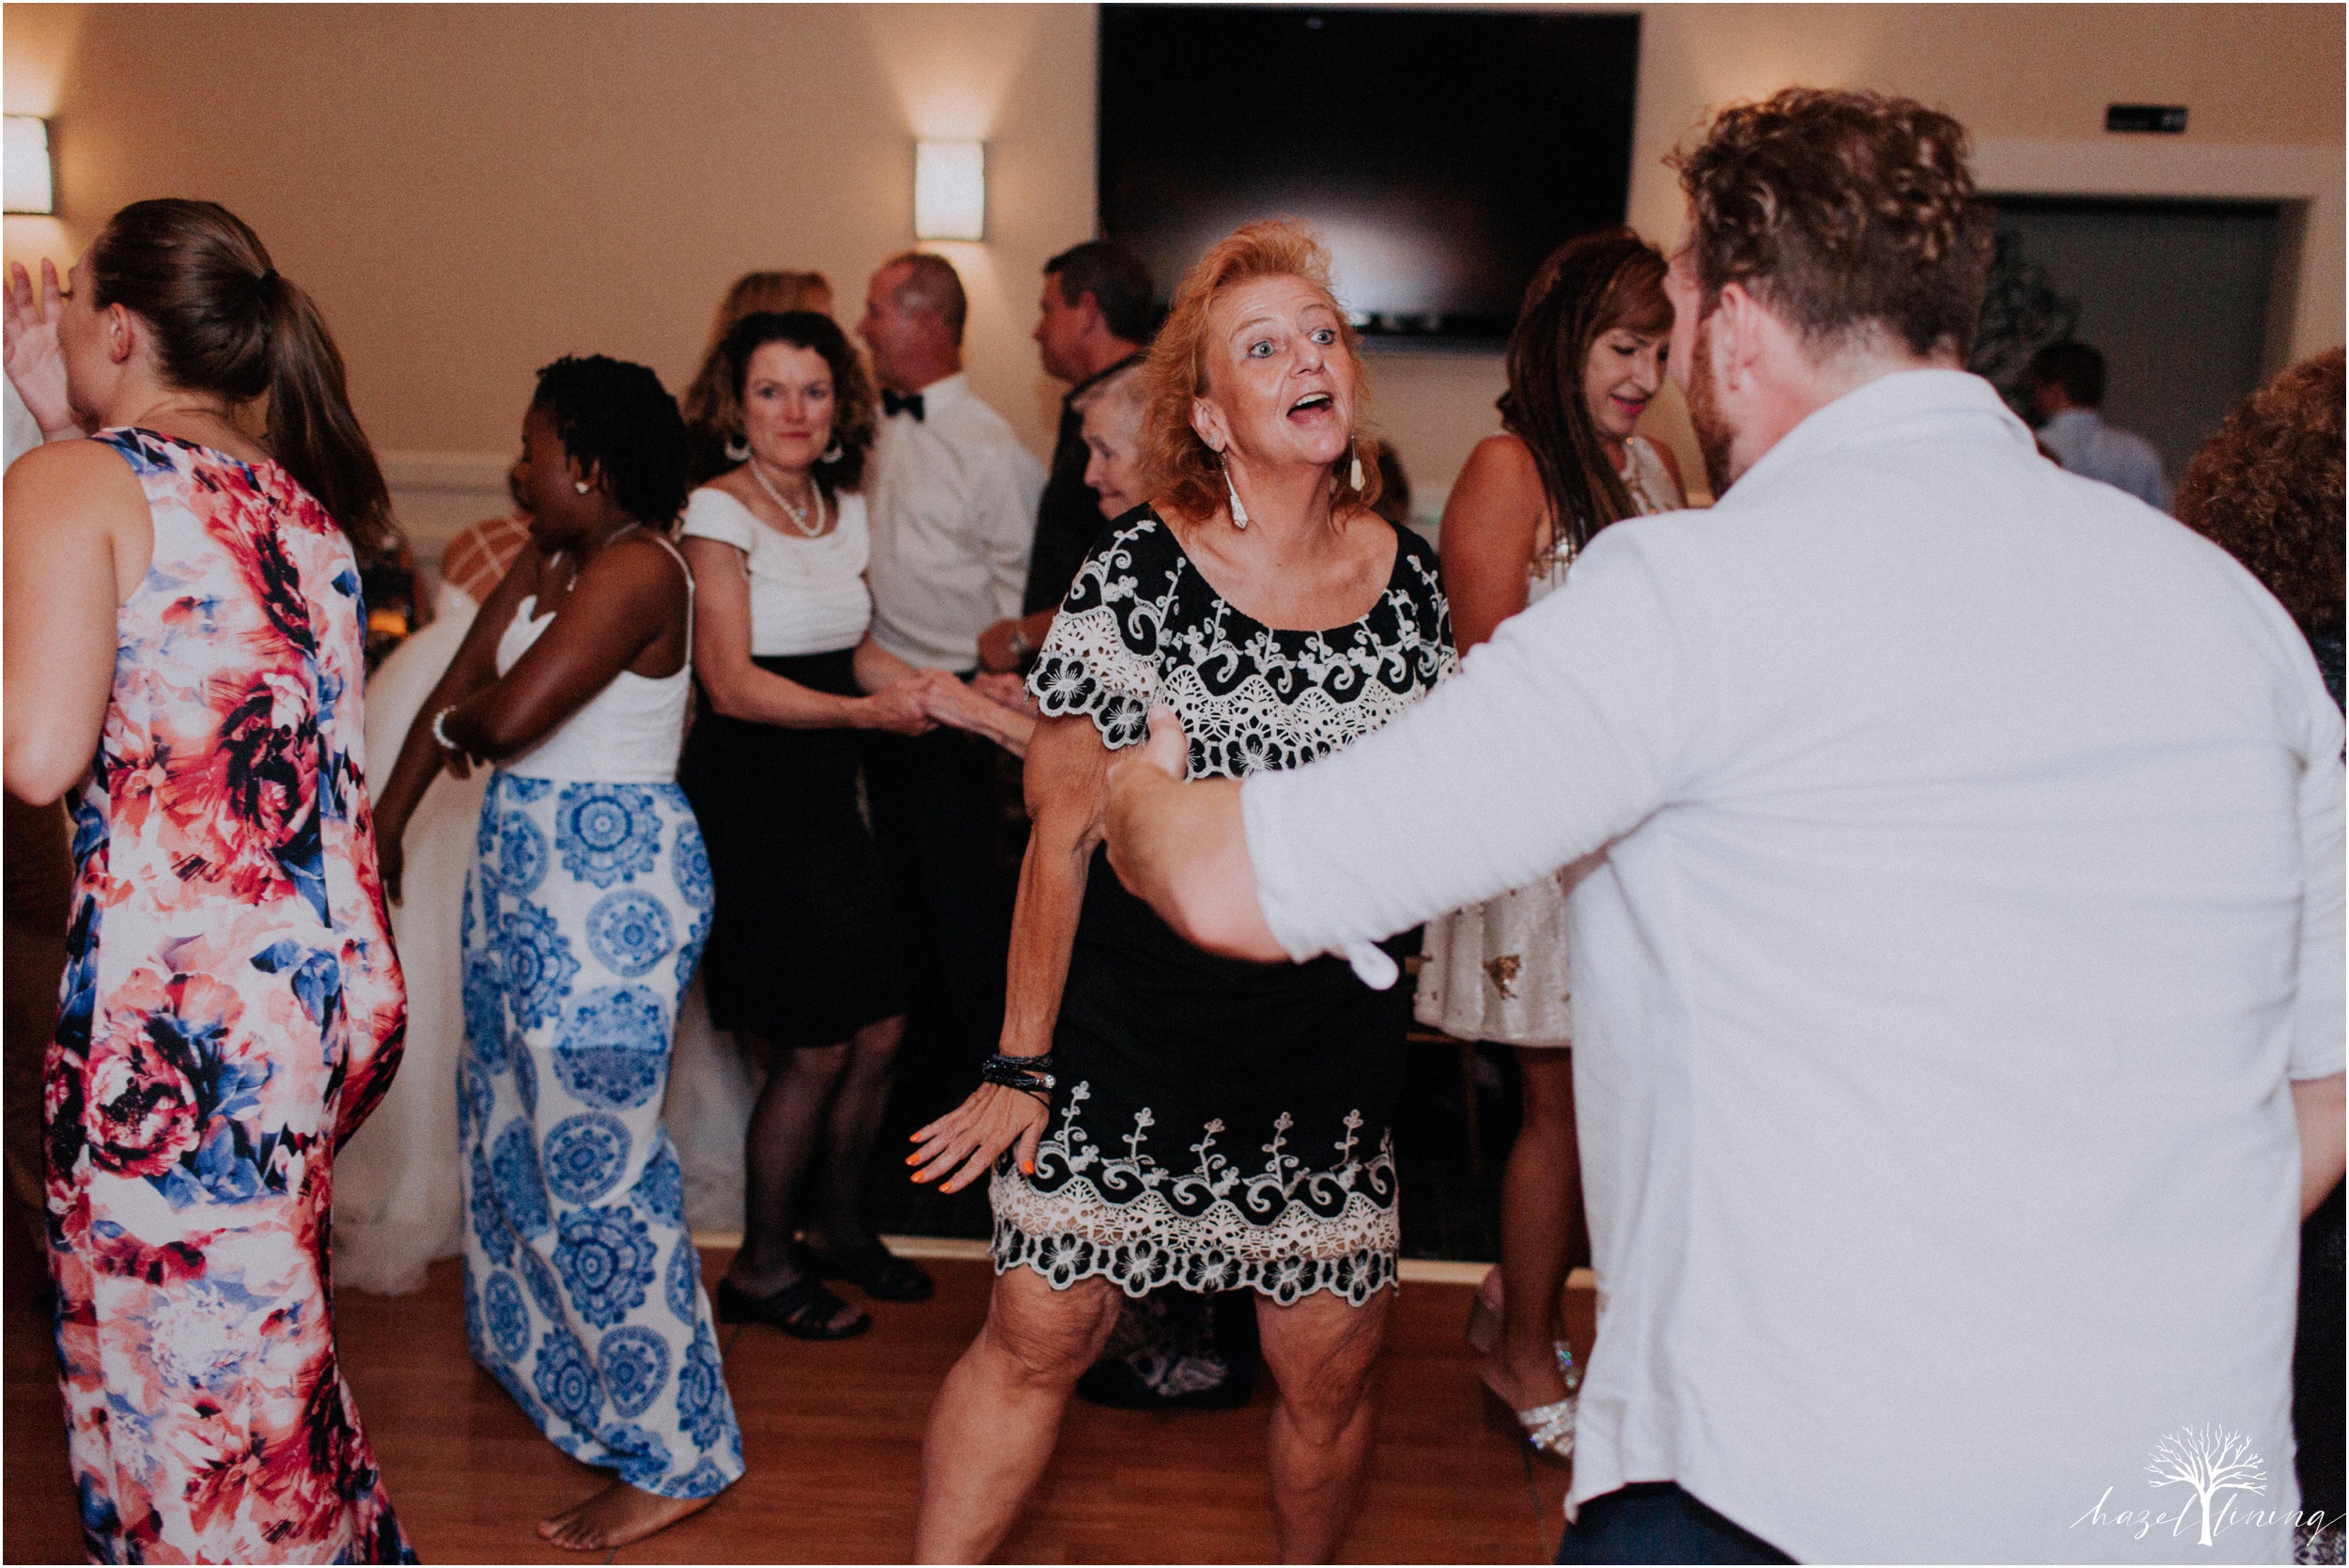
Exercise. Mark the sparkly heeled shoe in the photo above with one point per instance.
(1547, 1428)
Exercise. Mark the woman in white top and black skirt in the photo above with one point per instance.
(1586, 356)
(803, 949)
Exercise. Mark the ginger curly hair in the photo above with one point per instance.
(1841, 211)
(2267, 489)
(1184, 473)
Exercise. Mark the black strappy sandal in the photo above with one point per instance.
(876, 1271)
(803, 1310)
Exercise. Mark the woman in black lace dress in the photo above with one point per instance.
(1198, 1121)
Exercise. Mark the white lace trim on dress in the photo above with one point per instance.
(1089, 668)
(1286, 1230)
(1086, 668)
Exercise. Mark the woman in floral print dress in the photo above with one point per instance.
(584, 914)
(183, 646)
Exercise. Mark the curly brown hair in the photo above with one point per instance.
(854, 419)
(753, 292)
(1841, 211)
(1587, 287)
(2267, 489)
(1185, 472)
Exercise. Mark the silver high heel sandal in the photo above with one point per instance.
(1547, 1428)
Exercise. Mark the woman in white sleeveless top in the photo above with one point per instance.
(397, 1206)
(1586, 356)
(584, 914)
(802, 954)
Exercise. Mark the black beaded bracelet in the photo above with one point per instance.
(1030, 1075)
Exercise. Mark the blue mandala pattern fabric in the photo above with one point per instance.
(583, 1291)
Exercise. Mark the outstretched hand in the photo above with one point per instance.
(978, 710)
(1007, 690)
(36, 365)
(964, 1143)
(903, 707)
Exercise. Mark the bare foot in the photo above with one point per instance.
(616, 1516)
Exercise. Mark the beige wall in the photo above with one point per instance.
(472, 191)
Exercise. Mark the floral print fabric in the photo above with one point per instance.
(231, 1010)
(584, 917)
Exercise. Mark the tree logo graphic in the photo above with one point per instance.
(2211, 1460)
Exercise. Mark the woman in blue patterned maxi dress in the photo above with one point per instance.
(585, 915)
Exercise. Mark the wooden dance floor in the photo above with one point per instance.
(832, 1435)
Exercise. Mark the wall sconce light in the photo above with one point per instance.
(950, 190)
(31, 185)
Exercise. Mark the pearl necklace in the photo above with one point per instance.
(796, 514)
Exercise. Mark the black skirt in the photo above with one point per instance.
(1216, 1124)
(804, 946)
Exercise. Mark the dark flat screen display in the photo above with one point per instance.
(1440, 154)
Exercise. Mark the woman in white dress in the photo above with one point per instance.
(1586, 356)
(396, 1208)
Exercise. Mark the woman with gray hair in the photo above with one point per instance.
(1113, 433)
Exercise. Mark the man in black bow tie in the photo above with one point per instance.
(952, 503)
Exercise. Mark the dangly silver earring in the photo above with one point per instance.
(1354, 476)
(582, 486)
(1239, 513)
(738, 449)
(832, 453)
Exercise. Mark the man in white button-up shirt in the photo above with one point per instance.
(1959, 1000)
(954, 493)
(952, 508)
(2067, 392)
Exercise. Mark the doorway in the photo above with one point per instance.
(2177, 294)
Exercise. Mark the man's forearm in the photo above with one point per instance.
(1182, 849)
